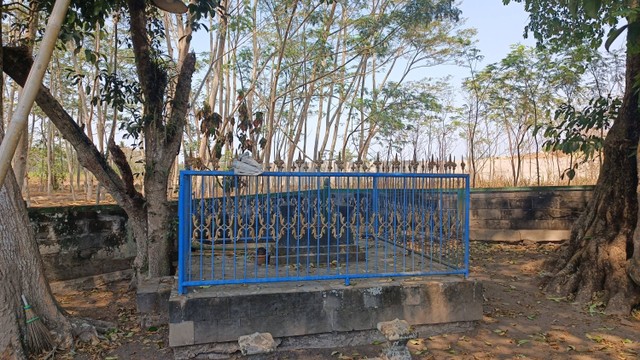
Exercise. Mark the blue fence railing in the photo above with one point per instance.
(298, 226)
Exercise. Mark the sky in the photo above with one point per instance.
(498, 28)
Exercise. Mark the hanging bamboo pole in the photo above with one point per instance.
(31, 87)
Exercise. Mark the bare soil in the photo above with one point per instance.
(519, 322)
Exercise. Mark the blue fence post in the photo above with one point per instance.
(376, 206)
(184, 196)
(467, 205)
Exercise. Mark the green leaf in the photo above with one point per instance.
(521, 342)
(556, 299)
(595, 338)
(591, 8)
(613, 35)
(573, 7)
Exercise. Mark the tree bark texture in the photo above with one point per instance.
(89, 157)
(162, 138)
(593, 265)
(21, 273)
(149, 216)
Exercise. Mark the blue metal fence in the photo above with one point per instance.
(298, 226)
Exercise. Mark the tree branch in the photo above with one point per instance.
(17, 64)
(153, 79)
(120, 159)
(180, 106)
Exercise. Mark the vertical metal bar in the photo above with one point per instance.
(368, 212)
(358, 216)
(191, 196)
(329, 226)
(424, 211)
(256, 229)
(404, 223)
(234, 234)
(394, 227)
(376, 224)
(309, 225)
(267, 198)
(202, 228)
(432, 204)
(460, 223)
(277, 225)
(348, 194)
(214, 221)
(412, 219)
(226, 227)
(182, 233)
(298, 218)
(441, 213)
(288, 218)
(467, 198)
(318, 223)
(244, 207)
(347, 229)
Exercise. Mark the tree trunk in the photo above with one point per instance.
(592, 265)
(21, 272)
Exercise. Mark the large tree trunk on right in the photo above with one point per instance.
(593, 264)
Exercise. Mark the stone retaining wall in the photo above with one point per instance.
(78, 241)
(526, 214)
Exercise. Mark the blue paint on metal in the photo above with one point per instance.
(184, 195)
(467, 197)
(301, 226)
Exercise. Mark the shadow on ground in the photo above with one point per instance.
(519, 322)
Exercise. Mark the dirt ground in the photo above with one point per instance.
(519, 321)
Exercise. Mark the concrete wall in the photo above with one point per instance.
(526, 214)
(78, 241)
(225, 313)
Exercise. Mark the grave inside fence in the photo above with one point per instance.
(331, 251)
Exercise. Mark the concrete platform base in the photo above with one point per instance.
(516, 236)
(317, 341)
(152, 301)
(318, 314)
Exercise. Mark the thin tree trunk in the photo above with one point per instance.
(70, 169)
(274, 85)
(49, 158)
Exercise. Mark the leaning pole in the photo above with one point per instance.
(31, 87)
